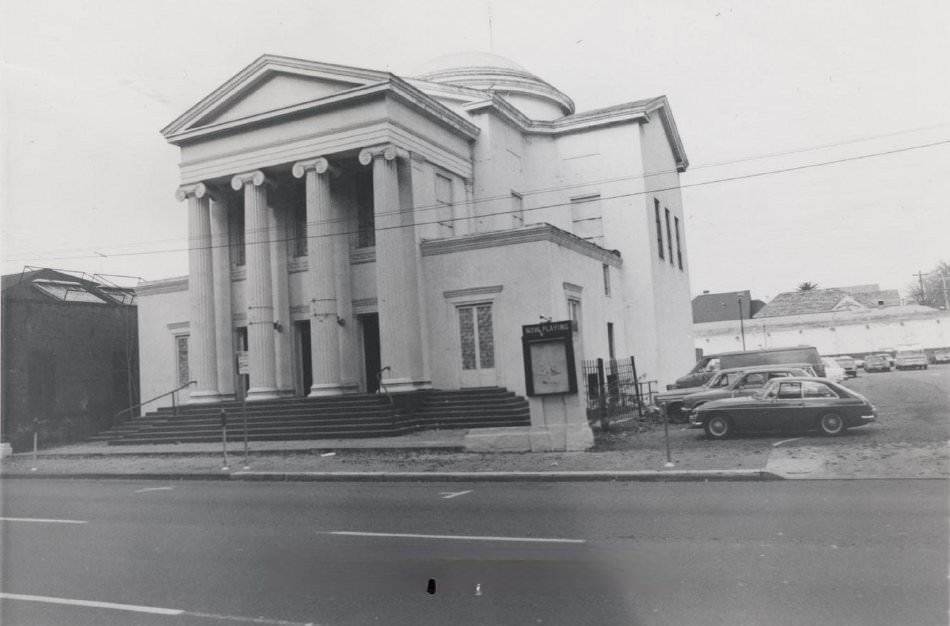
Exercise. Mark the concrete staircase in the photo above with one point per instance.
(481, 407)
(337, 417)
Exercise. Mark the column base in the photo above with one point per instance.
(322, 390)
(262, 393)
(204, 397)
(400, 385)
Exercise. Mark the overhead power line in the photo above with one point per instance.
(748, 176)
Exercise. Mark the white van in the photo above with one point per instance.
(911, 358)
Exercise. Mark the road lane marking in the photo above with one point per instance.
(350, 533)
(151, 610)
(42, 521)
(147, 489)
(778, 443)
(448, 495)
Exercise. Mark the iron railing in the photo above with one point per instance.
(173, 393)
(615, 392)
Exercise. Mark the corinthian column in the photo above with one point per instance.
(397, 288)
(260, 306)
(202, 353)
(321, 282)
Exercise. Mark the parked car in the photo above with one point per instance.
(942, 356)
(786, 404)
(911, 358)
(833, 371)
(746, 383)
(859, 363)
(671, 401)
(708, 365)
(849, 365)
(877, 363)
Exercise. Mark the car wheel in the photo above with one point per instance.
(831, 424)
(718, 427)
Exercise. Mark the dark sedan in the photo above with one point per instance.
(786, 404)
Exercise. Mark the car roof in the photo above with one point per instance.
(766, 368)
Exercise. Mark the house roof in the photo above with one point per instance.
(828, 300)
(49, 285)
(718, 307)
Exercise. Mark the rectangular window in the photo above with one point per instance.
(669, 237)
(610, 341)
(659, 227)
(298, 234)
(517, 210)
(477, 337)
(236, 236)
(181, 350)
(606, 270)
(365, 216)
(574, 312)
(679, 251)
(587, 219)
(445, 212)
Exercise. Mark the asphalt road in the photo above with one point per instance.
(825, 552)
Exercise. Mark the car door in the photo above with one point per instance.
(785, 402)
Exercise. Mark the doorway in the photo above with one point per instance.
(304, 357)
(371, 359)
(477, 344)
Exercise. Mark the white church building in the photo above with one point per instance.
(349, 227)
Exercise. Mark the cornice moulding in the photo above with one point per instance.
(166, 285)
(528, 234)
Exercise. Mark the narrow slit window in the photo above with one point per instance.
(659, 227)
(669, 237)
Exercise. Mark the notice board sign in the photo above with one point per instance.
(242, 362)
(549, 358)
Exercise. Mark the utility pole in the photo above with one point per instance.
(741, 323)
(920, 276)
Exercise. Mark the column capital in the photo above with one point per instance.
(198, 190)
(255, 178)
(387, 151)
(320, 165)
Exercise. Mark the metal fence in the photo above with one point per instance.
(614, 391)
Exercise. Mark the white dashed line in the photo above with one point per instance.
(41, 520)
(778, 443)
(147, 489)
(458, 537)
(153, 610)
(150, 610)
(448, 495)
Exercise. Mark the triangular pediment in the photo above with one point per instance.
(272, 84)
(848, 304)
(275, 91)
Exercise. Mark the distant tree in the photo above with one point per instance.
(928, 290)
(807, 286)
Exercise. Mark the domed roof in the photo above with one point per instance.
(467, 59)
(491, 72)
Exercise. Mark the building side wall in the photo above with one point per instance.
(839, 337)
(61, 368)
(669, 289)
(519, 298)
(162, 317)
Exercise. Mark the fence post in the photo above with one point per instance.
(601, 394)
(636, 386)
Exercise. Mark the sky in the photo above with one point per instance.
(818, 132)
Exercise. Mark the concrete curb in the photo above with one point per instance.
(580, 476)
(265, 452)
